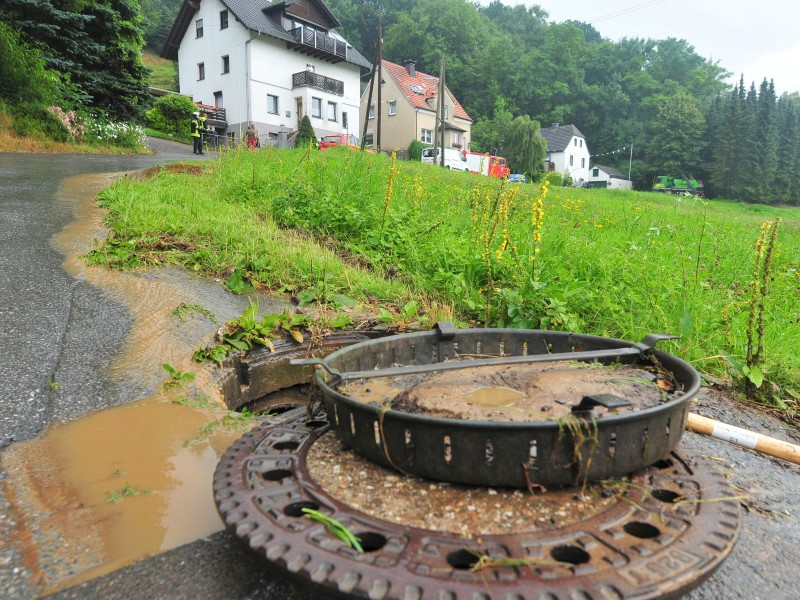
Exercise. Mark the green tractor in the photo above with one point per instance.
(684, 186)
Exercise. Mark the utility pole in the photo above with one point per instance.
(630, 162)
(379, 108)
(440, 113)
(371, 88)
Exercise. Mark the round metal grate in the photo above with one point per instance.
(495, 453)
(670, 528)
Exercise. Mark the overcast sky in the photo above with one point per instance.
(756, 38)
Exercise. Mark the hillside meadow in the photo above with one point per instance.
(413, 244)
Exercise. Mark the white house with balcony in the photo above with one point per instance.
(267, 63)
(567, 151)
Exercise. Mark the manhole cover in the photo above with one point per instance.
(669, 528)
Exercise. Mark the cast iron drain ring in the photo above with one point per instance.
(669, 530)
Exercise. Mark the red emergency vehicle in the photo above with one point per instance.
(487, 164)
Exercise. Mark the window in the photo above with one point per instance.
(201, 71)
(444, 111)
(571, 160)
(316, 108)
(372, 112)
(223, 19)
(226, 64)
(595, 172)
(345, 124)
(368, 139)
(272, 104)
(581, 144)
(456, 139)
(218, 99)
(333, 113)
(392, 108)
(198, 27)
(574, 141)
(426, 136)
(583, 162)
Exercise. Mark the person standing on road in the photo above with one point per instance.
(203, 130)
(251, 135)
(197, 140)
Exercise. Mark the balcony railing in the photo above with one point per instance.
(311, 79)
(319, 42)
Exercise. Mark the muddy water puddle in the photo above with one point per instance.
(124, 483)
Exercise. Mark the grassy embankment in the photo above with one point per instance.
(343, 225)
(163, 72)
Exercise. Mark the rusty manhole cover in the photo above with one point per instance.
(669, 528)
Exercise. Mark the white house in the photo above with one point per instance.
(567, 151)
(269, 64)
(608, 177)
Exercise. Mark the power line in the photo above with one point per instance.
(626, 11)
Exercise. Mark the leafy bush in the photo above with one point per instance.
(99, 129)
(27, 82)
(415, 150)
(171, 114)
(555, 178)
(306, 133)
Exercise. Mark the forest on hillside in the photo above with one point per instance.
(671, 105)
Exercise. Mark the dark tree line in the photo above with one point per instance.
(93, 47)
(659, 96)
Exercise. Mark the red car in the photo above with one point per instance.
(339, 139)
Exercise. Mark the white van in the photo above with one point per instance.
(453, 159)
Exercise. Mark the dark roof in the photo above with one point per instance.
(559, 136)
(615, 173)
(262, 16)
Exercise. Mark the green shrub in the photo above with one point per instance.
(305, 134)
(415, 150)
(27, 82)
(171, 114)
(555, 178)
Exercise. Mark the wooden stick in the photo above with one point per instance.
(744, 437)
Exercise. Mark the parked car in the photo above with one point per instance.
(517, 178)
(339, 139)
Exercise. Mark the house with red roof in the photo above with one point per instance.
(409, 99)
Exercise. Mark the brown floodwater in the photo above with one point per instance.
(121, 484)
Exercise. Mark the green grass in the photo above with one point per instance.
(163, 72)
(611, 263)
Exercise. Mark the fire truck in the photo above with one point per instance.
(487, 164)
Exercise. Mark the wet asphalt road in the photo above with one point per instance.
(56, 328)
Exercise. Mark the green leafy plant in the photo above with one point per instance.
(335, 527)
(231, 421)
(200, 401)
(177, 378)
(116, 496)
(184, 309)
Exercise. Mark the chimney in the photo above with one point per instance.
(554, 125)
(410, 66)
